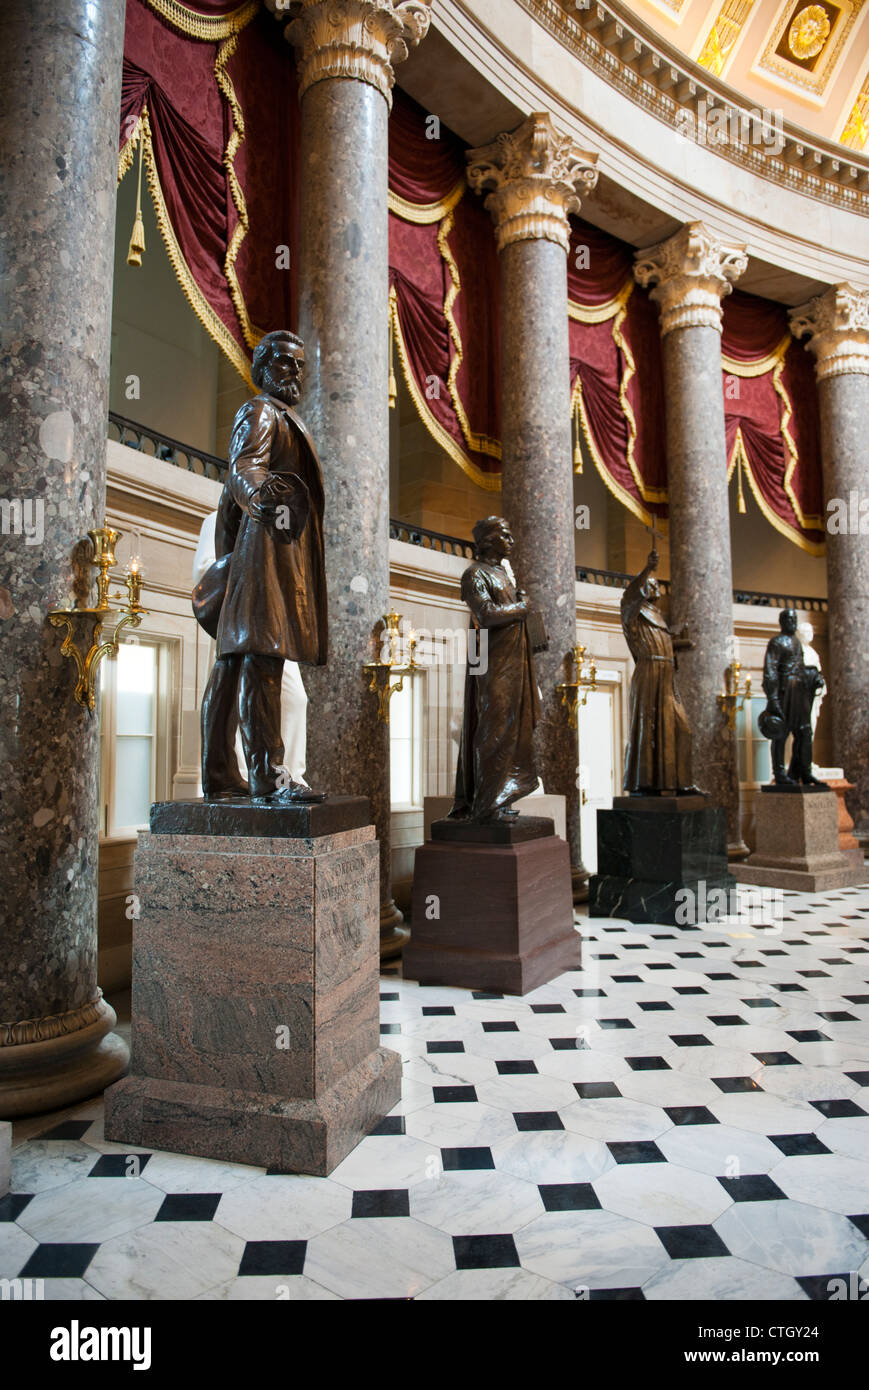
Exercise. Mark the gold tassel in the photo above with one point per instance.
(137, 240)
(740, 496)
(577, 447)
(393, 384)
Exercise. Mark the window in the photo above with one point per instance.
(405, 744)
(754, 765)
(129, 733)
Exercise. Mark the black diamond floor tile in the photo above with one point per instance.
(280, 1257)
(486, 1252)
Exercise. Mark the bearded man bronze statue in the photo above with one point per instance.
(264, 598)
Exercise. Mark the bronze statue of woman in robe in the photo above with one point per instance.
(496, 751)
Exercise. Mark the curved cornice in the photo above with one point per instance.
(645, 164)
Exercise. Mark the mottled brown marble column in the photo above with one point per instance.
(60, 86)
(691, 272)
(345, 50)
(838, 322)
(532, 177)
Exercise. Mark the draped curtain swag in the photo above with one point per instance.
(209, 90)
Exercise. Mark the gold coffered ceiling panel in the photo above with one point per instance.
(807, 40)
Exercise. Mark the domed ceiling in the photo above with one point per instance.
(811, 62)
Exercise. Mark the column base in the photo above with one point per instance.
(5, 1157)
(54, 1072)
(268, 1131)
(579, 884)
(393, 936)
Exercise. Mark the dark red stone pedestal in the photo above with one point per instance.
(504, 915)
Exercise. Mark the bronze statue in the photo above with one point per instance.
(658, 755)
(264, 598)
(496, 749)
(790, 688)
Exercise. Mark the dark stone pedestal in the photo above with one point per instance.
(650, 850)
(492, 916)
(256, 1033)
(241, 816)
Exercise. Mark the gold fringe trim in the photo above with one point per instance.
(242, 226)
(809, 523)
(599, 313)
(210, 28)
(648, 494)
(423, 213)
(488, 481)
(480, 443)
(639, 511)
(762, 365)
(738, 455)
(210, 321)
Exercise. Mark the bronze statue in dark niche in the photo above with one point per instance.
(658, 755)
(496, 750)
(790, 688)
(264, 598)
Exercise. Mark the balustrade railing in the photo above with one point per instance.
(162, 446)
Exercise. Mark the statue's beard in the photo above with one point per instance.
(286, 391)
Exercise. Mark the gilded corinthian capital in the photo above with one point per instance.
(533, 176)
(361, 39)
(838, 321)
(691, 272)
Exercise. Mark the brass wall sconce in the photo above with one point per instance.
(394, 665)
(84, 626)
(733, 698)
(583, 683)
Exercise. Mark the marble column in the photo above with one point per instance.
(346, 52)
(532, 177)
(60, 88)
(838, 322)
(691, 272)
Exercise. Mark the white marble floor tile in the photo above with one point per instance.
(851, 1138)
(183, 1173)
(591, 1249)
(281, 1207)
(270, 1288)
(16, 1247)
(616, 1119)
(389, 1257)
(662, 1194)
(40, 1165)
(834, 1183)
(475, 1203)
(722, 1279)
(765, 1114)
(106, 1207)
(460, 1125)
(394, 1161)
(792, 1238)
(169, 1260)
(719, 1150)
(71, 1291)
(494, 1286)
(524, 1092)
(553, 1156)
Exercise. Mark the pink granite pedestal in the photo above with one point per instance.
(797, 836)
(256, 1000)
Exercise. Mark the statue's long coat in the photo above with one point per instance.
(266, 592)
(658, 755)
(496, 753)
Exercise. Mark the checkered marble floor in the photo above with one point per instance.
(686, 1117)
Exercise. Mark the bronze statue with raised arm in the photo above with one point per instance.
(496, 751)
(658, 754)
(264, 598)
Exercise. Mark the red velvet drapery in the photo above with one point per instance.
(219, 117)
(444, 290)
(210, 87)
(615, 361)
(771, 418)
